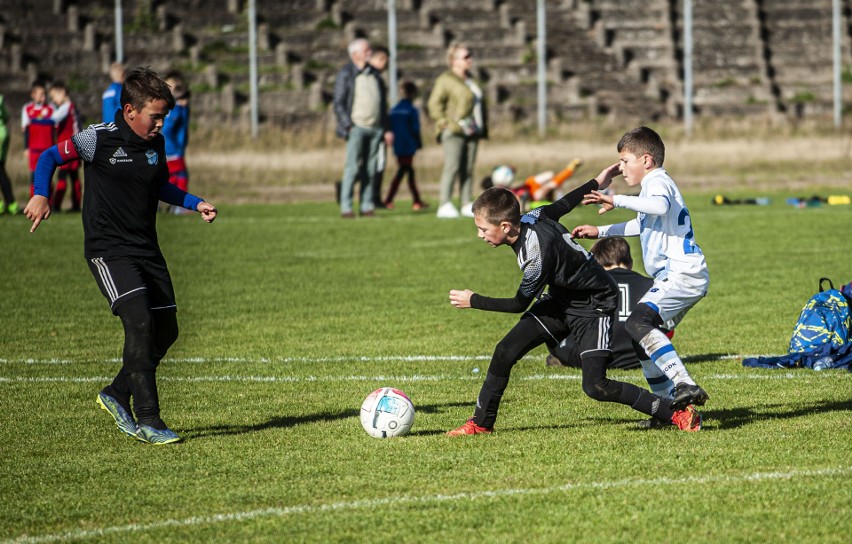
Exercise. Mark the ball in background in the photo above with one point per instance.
(387, 412)
(503, 176)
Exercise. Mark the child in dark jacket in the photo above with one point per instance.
(405, 124)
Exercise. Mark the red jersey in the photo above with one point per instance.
(67, 125)
(37, 122)
(37, 119)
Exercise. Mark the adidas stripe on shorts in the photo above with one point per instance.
(123, 278)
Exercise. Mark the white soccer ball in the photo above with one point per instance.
(503, 176)
(387, 412)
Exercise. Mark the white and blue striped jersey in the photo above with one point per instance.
(664, 227)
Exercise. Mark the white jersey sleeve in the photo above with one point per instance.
(668, 239)
(628, 228)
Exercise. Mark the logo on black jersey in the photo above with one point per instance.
(152, 157)
(119, 156)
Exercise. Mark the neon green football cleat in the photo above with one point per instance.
(150, 435)
(123, 419)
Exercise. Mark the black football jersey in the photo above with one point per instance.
(124, 173)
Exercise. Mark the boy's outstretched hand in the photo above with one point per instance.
(460, 299)
(604, 179)
(208, 211)
(37, 210)
(585, 231)
(597, 197)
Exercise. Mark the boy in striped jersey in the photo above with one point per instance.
(581, 301)
(126, 175)
(671, 255)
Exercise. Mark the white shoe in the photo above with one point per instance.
(447, 211)
(467, 210)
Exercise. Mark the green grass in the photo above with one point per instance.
(290, 316)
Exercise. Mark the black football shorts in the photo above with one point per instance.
(123, 278)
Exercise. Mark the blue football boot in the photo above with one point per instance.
(123, 419)
(150, 435)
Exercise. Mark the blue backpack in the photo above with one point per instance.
(824, 319)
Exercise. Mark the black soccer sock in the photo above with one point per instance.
(119, 389)
(646, 402)
(146, 402)
(489, 399)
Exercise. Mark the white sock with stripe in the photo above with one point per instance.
(662, 352)
(659, 383)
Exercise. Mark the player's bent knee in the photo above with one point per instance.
(503, 359)
(643, 319)
(601, 390)
(594, 390)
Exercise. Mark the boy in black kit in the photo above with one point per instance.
(581, 301)
(126, 176)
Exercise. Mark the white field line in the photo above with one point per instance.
(267, 360)
(286, 360)
(308, 509)
(412, 378)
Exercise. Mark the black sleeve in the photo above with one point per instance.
(339, 101)
(570, 201)
(509, 305)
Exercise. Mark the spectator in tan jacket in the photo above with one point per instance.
(457, 107)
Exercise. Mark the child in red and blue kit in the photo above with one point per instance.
(38, 127)
(176, 132)
(67, 125)
(405, 124)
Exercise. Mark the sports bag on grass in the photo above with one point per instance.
(824, 319)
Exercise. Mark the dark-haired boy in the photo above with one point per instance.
(580, 302)
(126, 175)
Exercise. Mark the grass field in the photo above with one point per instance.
(290, 317)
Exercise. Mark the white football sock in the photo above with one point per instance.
(662, 352)
(659, 383)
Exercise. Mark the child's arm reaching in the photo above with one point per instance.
(629, 228)
(573, 199)
(469, 299)
(568, 202)
(650, 205)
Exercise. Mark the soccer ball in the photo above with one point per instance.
(502, 176)
(387, 412)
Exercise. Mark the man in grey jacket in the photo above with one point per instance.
(360, 104)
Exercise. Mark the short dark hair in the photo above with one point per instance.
(143, 85)
(641, 141)
(382, 50)
(59, 84)
(612, 252)
(179, 90)
(498, 204)
(38, 83)
(408, 88)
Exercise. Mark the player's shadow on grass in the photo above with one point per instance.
(285, 422)
(434, 409)
(733, 418)
(706, 358)
(279, 422)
